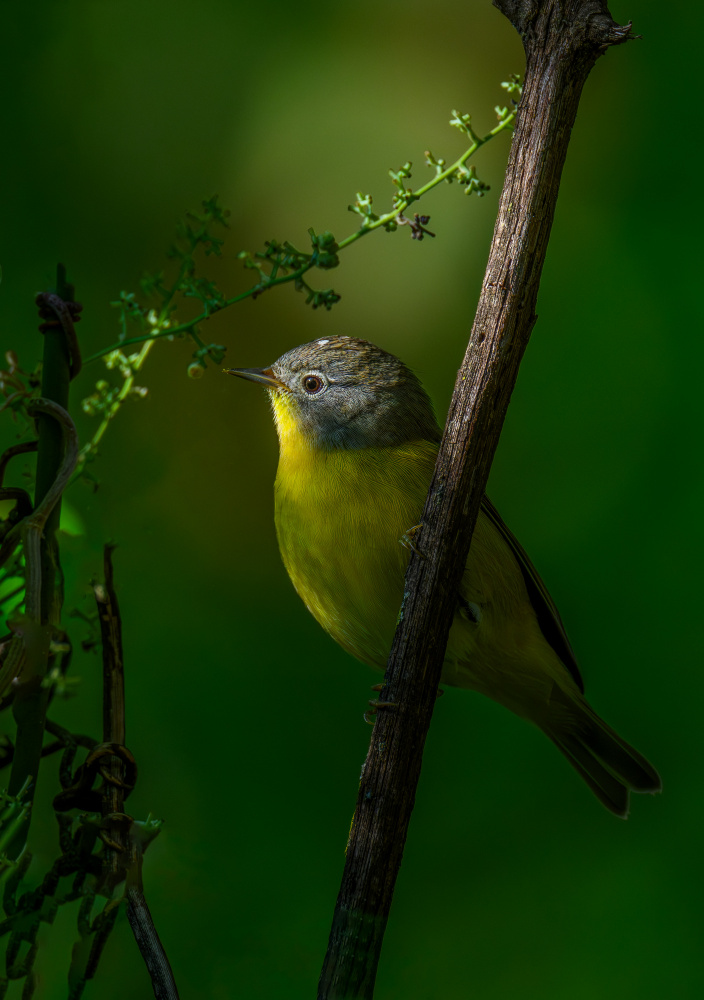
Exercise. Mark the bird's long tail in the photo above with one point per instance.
(609, 765)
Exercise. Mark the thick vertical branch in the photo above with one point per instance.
(563, 39)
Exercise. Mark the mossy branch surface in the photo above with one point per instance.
(563, 39)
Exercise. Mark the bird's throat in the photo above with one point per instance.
(292, 441)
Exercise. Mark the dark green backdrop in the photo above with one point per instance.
(244, 716)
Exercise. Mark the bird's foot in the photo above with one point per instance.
(375, 704)
(407, 539)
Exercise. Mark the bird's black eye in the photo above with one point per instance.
(312, 384)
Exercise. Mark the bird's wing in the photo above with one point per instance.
(547, 614)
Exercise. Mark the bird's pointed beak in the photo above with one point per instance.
(264, 376)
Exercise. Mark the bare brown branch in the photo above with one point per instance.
(563, 39)
(118, 823)
(123, 858)
(55, 452)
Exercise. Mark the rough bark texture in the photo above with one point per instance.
(113, 725)
(31, 697)
(562, 41)
(123, 858)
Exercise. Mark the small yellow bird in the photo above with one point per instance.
(358, 441)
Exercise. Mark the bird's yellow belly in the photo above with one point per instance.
(339, 522)
(340, 517)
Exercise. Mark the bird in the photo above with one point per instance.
(358, 440)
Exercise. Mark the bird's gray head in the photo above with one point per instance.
(342, 392)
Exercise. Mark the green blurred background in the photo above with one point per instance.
(244, 716)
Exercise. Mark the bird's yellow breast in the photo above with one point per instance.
(340, 516)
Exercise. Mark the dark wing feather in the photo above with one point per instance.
(547, 614)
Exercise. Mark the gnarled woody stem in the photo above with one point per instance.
(56, 457)
(562, 39)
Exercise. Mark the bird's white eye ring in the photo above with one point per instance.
(312, 384)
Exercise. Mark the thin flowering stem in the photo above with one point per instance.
(277, 264)
(288, 265)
